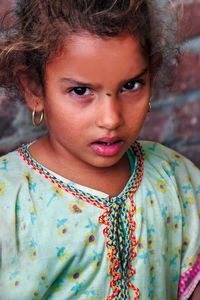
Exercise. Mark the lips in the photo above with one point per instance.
(108, 140)
(107, 146)
(106, 143)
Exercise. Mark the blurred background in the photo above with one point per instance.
(175, 117)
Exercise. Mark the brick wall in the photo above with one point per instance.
(175, 116)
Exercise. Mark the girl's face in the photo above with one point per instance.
(96, 99)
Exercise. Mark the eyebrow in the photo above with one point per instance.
(81, 83)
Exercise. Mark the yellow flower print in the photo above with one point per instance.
(34, 254)
(75, 207)
(96, 263)
(168, 220)
(27, 177)
(152, 271)
(62, 231)
(161, 185)
(57, 191)
(150, 201)
(2, 188)
(186, 242)
(187, 179)
(190, 262)
(75, 276)
(90, 239)
(151, 243)
(36, 295)
(16, 283)
(190, 199)
(141, 245)
(42, 277)
(178, 250)
(177, 157)
(175, 226)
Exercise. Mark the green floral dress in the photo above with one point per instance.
(63, 241)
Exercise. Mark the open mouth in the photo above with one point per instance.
(107, 143)
(107, 146)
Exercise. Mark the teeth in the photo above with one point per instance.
(107, 143)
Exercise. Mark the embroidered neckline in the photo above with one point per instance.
(70, 188)
(117, 248)
(120, 246)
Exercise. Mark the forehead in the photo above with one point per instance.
(88, 43)
(91, 55)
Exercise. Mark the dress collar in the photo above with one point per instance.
(135, 156)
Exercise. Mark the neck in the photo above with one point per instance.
(110, 180)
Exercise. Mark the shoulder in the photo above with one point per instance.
(156, 153)
(12, 174)
(10, 165)
(169, 165)
(11, 168)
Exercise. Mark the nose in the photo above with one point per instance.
(109, 113)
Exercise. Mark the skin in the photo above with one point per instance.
(112, 106)
(107, 109)
(196, 294)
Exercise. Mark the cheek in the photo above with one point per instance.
(65, 120)
(136, 115)
(137, 109)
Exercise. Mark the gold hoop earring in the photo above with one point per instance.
(149, 109)
(37, 120)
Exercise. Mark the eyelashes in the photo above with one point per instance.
(133, 85)
(130, 86)
(81, 91)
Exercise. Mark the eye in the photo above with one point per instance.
(132, 85)
(81, 91)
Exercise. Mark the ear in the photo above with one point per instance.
(31, 91)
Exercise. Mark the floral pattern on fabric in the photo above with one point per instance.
(54, 247)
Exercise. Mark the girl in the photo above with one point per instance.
(86, 211)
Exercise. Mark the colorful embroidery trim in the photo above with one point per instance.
(120, 281)
(121, 246)
(189, 280)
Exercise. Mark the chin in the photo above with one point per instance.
(107, 162)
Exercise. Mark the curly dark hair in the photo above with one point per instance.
(40, 28)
